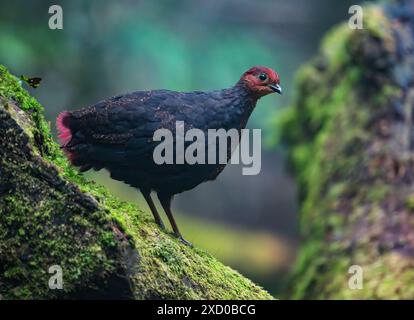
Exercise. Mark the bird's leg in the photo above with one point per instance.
(147, 197)
(165, 201)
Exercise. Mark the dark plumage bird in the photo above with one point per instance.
(117, 133)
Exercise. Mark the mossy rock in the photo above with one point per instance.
(50, 215)
(350, 140)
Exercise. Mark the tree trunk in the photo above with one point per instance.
(351, 145)
(51, 218)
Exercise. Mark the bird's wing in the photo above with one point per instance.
(119, 131)
(119, 115)
(119, 128)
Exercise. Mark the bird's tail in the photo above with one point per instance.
(69, 145)
(65, 135)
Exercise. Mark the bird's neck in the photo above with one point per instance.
(236, 112)
(246, 102)
(243, 90)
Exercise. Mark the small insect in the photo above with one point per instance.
(33, 82)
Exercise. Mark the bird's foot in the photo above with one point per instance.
(161, 225)
(184, 241)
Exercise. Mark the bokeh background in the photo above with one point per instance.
(112, 47)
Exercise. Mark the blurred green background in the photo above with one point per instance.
(112, 47)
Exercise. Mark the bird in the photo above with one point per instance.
(117, 134)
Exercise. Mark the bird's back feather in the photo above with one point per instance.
(117, 133)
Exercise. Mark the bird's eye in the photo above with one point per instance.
(263, 76)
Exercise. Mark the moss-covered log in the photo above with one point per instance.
(350, 138)
(50, 215)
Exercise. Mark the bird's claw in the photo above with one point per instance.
(185, 241)
(161, 225)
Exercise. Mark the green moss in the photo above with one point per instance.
(52, 215)
(345, 167)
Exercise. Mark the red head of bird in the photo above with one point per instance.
(261, 81)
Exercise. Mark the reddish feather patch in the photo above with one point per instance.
(65, 134)
(271, 73)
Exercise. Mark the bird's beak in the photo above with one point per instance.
(276, 88)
